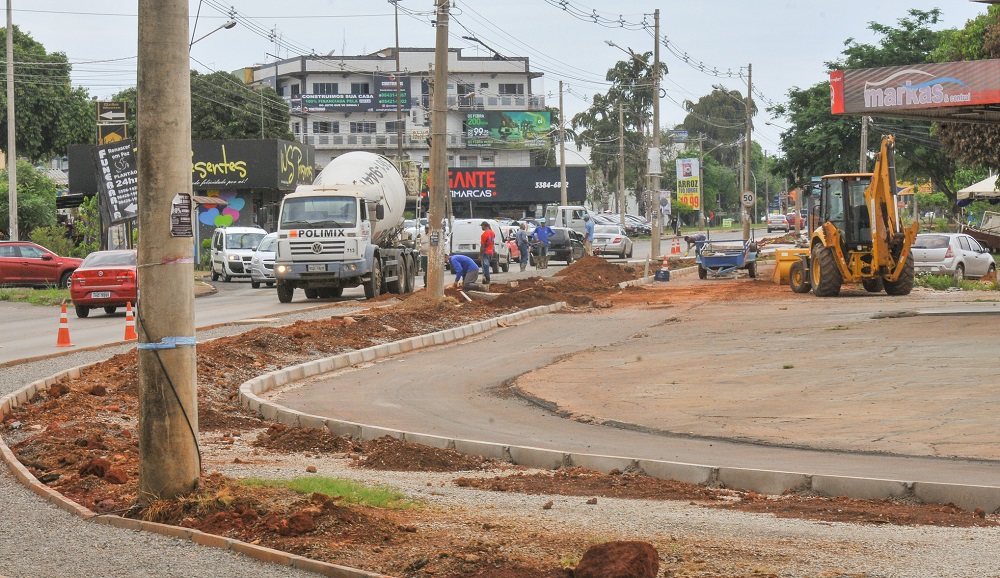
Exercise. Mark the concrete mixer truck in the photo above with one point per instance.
(344, 230)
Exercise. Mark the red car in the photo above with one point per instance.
(105, 279)
(23, 263)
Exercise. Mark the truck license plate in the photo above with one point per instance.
(321, 268)
(100, 294)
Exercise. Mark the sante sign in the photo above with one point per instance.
(914, 87)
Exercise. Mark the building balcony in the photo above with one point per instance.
(411, 140)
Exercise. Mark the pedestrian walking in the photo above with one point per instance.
(521, 238)
(466, 271)
(588, 235)
(541, 236)
(487, 252)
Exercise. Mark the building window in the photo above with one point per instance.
(325, 88)
(360, 88)
(390, 127)
(296, 127)
(487, 159)
(466, 89)
(467, 161)
(484, 85)
(295, 90)
(507, 89)
(363, 127)
(326, 127)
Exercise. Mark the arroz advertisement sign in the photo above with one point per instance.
(914, 87)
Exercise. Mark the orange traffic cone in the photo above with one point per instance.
(129, 323)
(62, 340)
(675, 247)
(665, 264)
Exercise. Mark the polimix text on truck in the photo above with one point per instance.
(344, 231)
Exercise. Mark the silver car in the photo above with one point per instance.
(612, 240)
(953, 254)
(262, 262)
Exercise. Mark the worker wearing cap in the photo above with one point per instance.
(588, 235)
(487, 253)
(541, 235)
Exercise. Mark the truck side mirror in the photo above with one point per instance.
(379, 212)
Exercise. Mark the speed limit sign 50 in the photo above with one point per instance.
(748, 198)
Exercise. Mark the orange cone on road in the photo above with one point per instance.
(675, 247)
(62, 340)
(665, 264)
(129, 323)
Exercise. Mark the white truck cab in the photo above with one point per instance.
(570, 216)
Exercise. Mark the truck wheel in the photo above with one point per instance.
(399, 285)
(285, 292)
(826, 279)
(226, 277)
(873, 285)
(255, 284)
(752, 269)
(702, 272)
(312, 294)
(495, 265)
(411, 275)
(337, 292)
(798, 279)
(506, 265)
(904, 284)
(373, 286)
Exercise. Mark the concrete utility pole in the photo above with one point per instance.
(655, 244)
(399, 109)
(11, 140)
(746, 160)
(563, 199)
(701, 181)
(863, 161)
(439, 189)
(169, 462)
(621, 164)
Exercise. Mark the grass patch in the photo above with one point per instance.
(348, 491)
(44, 297)
(945, 282)
(787, 366)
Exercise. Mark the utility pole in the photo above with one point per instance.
(399, 108)
(655, 244)
(11, 140)
(562, 150)
(863, 162)
(701, 181)
(439, 189)
(169, 461)
(621, 164)
(746, 160)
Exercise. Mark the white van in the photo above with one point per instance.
(232, 249)
(465, 237)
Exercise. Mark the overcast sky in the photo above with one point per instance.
(787, 41)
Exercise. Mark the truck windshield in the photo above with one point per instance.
(319, 213)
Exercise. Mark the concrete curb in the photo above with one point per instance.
(762, 481)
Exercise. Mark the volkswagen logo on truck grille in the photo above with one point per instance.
(317, 248)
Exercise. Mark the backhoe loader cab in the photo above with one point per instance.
(857, 236)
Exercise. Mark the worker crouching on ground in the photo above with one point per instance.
(466, 272)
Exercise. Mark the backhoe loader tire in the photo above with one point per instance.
(798, 279)
(904, 283)
(873, 285)
(826, 279)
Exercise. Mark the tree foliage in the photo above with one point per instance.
(720, 117)
(49, 113)
(36, 200)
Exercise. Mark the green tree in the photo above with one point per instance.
(55, 238)
(50, 114)
(87, 228)
(720, 117)
(36, 200)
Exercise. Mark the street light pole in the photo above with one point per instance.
(227, 26)
(11, 140)
(399, 110)
(564, 200)
(655, 245)
(749, 148)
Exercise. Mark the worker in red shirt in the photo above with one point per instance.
(486, 250)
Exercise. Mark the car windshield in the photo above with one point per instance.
(243, 240)
(931, 242)
(110, 259)
(267, 244)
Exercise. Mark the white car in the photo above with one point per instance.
(465, 236)
(262, 262)
(953, 254)
(232, 249)
(612, 240)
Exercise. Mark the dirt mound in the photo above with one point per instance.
(388, 453)
(293, 439)
(594, 273)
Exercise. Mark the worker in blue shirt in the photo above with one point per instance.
(466, 271)
(541, 235)
(588, 235)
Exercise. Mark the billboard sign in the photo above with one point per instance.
(508, 129)
(895, 89)
(385, 90)
(688, 172)
(516, 184)
(118, 180)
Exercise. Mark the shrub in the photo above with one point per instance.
(55, 238)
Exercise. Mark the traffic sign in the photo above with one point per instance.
(110, 111)
(748, 198)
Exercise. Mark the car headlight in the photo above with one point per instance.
(234, 257)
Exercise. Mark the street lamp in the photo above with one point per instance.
(496, 55)
(227, 26)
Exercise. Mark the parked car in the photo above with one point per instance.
(465, 237)
(564, 245)
(775, 222)
(612, 240)
(790, 217)
(954, 254)
(105, 279)
(24, 263)
(262, 262)
(232, 249)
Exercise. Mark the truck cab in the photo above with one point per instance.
(569, 216)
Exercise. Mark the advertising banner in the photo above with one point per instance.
(688, 171)
(385, 90)
(516, 184)
(665, 207)
(914, 87)
(118, 180)
(508, 129)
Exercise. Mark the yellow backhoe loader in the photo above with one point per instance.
(857, 236)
